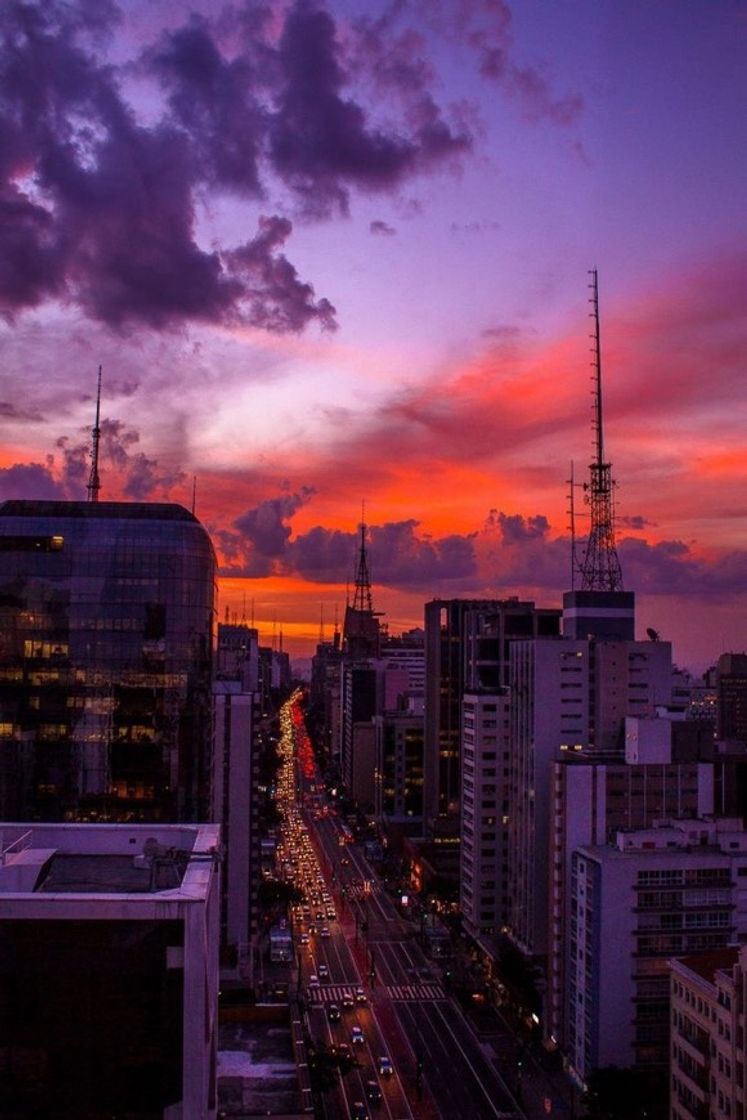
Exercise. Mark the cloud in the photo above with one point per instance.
(277, 299)
(382, 229)
(98, 201)
(322, 143)
(634, 521)
(261, 543)
(10, 411)
(31, 480)
(125, 472)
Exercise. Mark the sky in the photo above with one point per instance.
(335, 253)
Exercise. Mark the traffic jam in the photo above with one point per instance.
(318, 939)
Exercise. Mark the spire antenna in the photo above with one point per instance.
(362, 600)
(94, 482)
(600, 567)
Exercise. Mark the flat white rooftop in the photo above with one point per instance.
(110, 860)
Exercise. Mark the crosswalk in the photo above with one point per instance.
(415, 991)
(333, 993)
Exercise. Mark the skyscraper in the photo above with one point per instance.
(106, 615)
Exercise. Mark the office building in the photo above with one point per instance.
(731, 696)
(106, 620)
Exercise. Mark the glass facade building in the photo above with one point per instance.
(106, 620)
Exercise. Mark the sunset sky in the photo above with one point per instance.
(328, 252)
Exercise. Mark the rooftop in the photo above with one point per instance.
(139, 511)
(113, 860)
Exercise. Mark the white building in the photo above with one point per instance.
(109, 969)
(484, 835)
(568, 696)
(654, 894)
(592, 801)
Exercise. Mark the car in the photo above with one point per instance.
(347, 1001)
(324, 931)
(333, 1013)
(344, 1052)
(331, 913)
(356, 1036)
(386, 1069)
(360, 996)
(303, 938)
(373, 1092)
(313, 980)
(358, 1111)
(323, 971)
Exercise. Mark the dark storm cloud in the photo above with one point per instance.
(382, 229)
(98, 209)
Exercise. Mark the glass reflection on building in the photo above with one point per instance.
(106, 615)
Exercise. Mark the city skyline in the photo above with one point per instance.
(327, 255)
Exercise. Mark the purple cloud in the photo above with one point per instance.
(322, 143)
(381, 229)
(98, 208)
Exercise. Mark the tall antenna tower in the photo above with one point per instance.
(94, 482)
(600, 567)
(362, 600)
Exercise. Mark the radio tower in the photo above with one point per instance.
(94, 482)
(362, 600)
(600, 567)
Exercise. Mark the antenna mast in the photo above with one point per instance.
(94, 482)
(362, 600)
(572, 525)
(600, 568)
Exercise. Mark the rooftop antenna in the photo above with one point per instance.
(243, 607)
(252, 615)
(194, 493)
(362, 600)
(600, 568)
(281, 639)
(94, 482)
(321, 623)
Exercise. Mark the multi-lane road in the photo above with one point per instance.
(440, 1069)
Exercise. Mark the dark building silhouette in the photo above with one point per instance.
(106, 614)
(731, 693)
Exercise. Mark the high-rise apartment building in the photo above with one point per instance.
(466, 647)
(707, 1066)
(483, 869)
(106, 620)
(651, 895)
(569, 696)
(661, 776)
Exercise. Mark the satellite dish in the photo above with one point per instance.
(652, 634)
